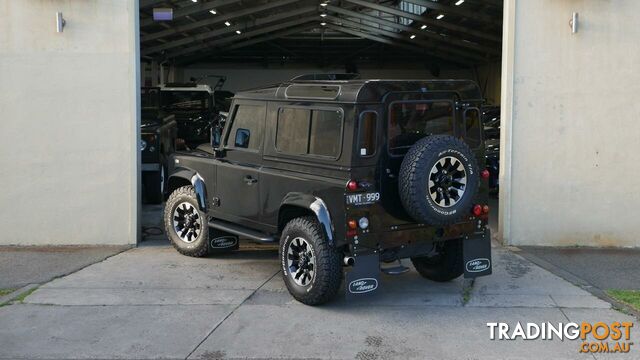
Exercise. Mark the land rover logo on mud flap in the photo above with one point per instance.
(223, 242)
(363, 285)
(478, 265)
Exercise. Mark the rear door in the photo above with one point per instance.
(238, 173)
(410, 117)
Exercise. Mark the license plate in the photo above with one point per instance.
(363, 198)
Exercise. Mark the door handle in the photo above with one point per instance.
(249, 180)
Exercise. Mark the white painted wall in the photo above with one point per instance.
(68, 122)
(570, 118)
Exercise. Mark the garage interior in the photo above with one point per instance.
(255, 43)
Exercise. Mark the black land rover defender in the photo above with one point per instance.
(344, 175)
(158, 133)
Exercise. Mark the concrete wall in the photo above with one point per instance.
(570, 146)
(68, 127)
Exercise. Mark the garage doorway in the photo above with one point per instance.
(196, 53)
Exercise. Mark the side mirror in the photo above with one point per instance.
(216, 136)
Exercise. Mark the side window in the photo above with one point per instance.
(247, 127)
(293, 130)
(309, 132)
(367, 133)
(472, 128)
(325, 136)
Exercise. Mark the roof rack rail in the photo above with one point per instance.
(335, 76)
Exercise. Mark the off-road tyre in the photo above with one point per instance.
(415, 175)
(445, 265)
(199, 246)
(327, 262)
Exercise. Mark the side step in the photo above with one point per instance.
(241, 231)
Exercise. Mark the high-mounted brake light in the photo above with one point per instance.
(477, 210)
(485, 174)
(352, 185)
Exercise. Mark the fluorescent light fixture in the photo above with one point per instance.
(238, 32)
(213, 11)
(423, 27)
(324, 4)
(227, 23)
(162, 14)
(439, 16)
(194, 0)
(412, 37)
(323, 15)
(459, 2)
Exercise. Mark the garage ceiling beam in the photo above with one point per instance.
(218, 19)
(386, 41)
(228, 29)
(454, 10)
(254, 41)
(249, 34)
(192, 9)
(426, 20)
(447, 52)
(448, 40)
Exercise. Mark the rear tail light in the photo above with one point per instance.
(352, 185)
(477, 210)
(485, 174)
(485, 209)
(352, 224)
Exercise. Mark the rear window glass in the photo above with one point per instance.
(309, 132)
(472, 128)
(411, 121)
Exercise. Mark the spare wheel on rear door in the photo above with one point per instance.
(438, 180)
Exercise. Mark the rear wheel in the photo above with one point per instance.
(311, 267)
(443, 263)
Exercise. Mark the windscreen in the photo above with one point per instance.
(185, 100)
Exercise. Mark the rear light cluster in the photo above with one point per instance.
(480, 210)
(353, 225)
(352, 185)
(485, 174)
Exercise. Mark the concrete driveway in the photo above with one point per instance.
(151, 302)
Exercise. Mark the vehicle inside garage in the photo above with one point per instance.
(225, 46)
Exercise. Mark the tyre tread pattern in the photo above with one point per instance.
(198, 251)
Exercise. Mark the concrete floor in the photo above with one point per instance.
(151, 302)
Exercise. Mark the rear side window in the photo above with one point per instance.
(411, 121)
(309, 132)
(367, 133)
(247, 127)
(472, 128)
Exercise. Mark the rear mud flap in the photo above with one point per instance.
(363, 278)
(477, 255)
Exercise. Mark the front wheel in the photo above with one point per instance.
(184, 223)
(311, 267)
(443, 263)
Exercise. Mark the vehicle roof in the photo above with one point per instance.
(358, 91)
(186, 87)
